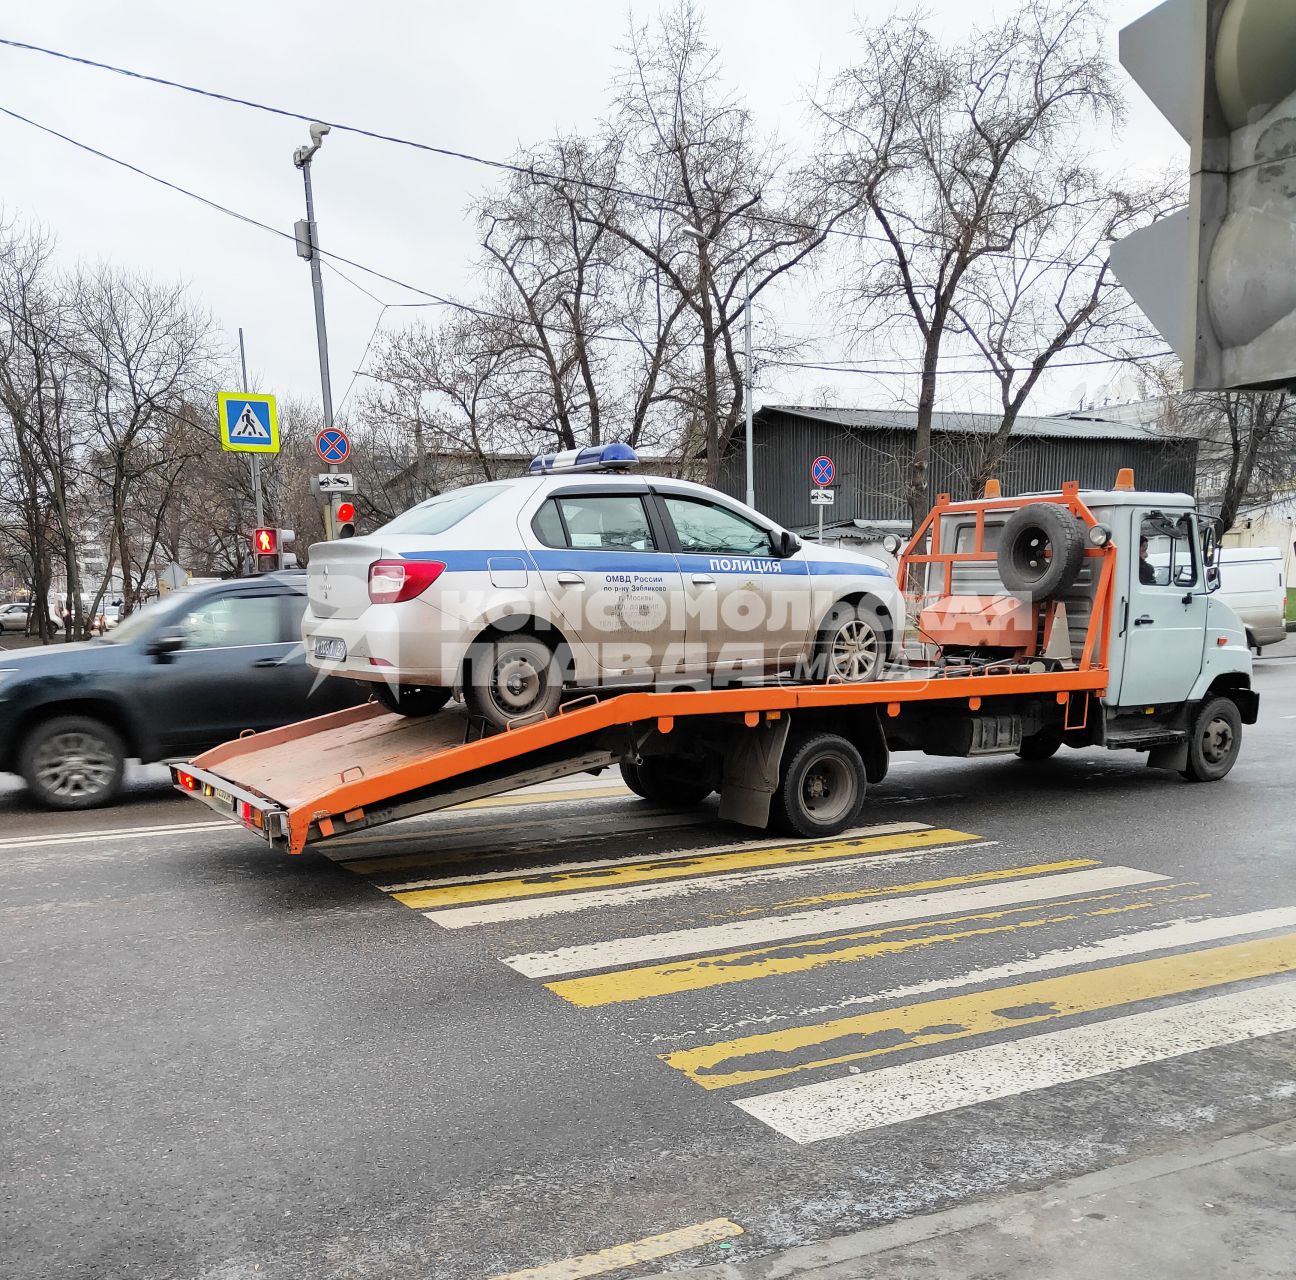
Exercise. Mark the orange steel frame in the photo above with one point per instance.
(350, 797)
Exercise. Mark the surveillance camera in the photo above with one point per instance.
(317, 132)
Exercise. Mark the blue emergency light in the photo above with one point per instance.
(603, 457)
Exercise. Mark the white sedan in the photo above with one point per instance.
(577, 576)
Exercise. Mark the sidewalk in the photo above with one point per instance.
(1220, 1211)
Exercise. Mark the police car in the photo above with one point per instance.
(579, 576)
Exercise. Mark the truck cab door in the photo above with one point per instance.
(1164, 610)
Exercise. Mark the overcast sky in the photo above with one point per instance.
(482, 78)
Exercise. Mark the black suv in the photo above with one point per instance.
(191, 670)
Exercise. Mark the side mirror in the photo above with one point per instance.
(163, 646)
(1212, 577)
(786, 544)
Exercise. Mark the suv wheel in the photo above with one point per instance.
(73, 762)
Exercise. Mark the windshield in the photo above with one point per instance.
(139, 622)
(438, 514)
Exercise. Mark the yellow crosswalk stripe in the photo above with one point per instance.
(869, 1035)
(748, 965)
(541, 882)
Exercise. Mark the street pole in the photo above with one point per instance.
(751, 385)
(302, 159)
(253, 458)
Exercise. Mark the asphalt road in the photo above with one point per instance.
(454, 1049)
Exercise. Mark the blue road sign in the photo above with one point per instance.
(333, 446)
(822, 471)
(248, 423)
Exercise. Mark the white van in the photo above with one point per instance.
(1251, 584)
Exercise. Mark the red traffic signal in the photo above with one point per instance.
(345, 512)
(265, 542)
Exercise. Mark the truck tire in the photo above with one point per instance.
(411, 699)
(851, 645)
(1041, 550)
(1214, 741)
(513, 678)
(821, 786)
(1040, 746)
(73, 762)
(663, 781)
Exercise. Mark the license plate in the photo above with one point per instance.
(223, 796)
(330, 649)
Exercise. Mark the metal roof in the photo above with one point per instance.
(969, 423)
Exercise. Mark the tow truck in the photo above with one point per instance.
(1045, 620)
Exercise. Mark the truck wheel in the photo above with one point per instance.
(1215, 741)
(513, 678)
(821, 788)
(1040, 746)
(852, 644)
(73, 762)
(1041, 550)
(411, 699)
(663, 781)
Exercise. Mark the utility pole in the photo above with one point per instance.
(307, 235)
(749, 389)
(253, 458)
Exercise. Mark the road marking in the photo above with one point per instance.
(551, 881)
(563, 904)
(343, 850)
(631, 1253)
(1062, 958)
(868, 1035)
(802, 924)
(890, 1095)
(810, 848)
(623, 985)
(118, 833)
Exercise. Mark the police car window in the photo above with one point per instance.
(1166, 554)
(436, 515)
(702, 527)
(231, 621)
(607, 522)
(548, 525)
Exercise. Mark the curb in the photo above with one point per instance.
(834, 1259)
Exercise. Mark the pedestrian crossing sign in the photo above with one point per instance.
(248, 423)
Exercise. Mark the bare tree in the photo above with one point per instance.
(952, 157)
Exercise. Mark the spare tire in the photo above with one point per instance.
(1041, 550)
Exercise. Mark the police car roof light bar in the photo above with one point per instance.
(605, 457)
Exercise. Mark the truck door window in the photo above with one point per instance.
(1167, 553)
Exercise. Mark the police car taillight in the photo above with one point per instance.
(603, 457)
(391, 581)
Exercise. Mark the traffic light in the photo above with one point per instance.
(344, 515)
(265, 550)
(1218, 278)
(268, 554)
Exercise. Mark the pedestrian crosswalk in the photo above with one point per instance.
(826, 988)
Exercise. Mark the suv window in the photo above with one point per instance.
(222, 622)
(605, 522)
(705, 528)
(1167, 557)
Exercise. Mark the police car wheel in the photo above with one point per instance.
(664, 781)
(411, 699)
(513, 678)
(852, 645)
(821, 786)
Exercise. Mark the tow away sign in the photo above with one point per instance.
(821, 497)
(248, 423)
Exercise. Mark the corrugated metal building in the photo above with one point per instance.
(872, 449)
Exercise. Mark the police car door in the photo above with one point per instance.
(750, 607)
(602, 558)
